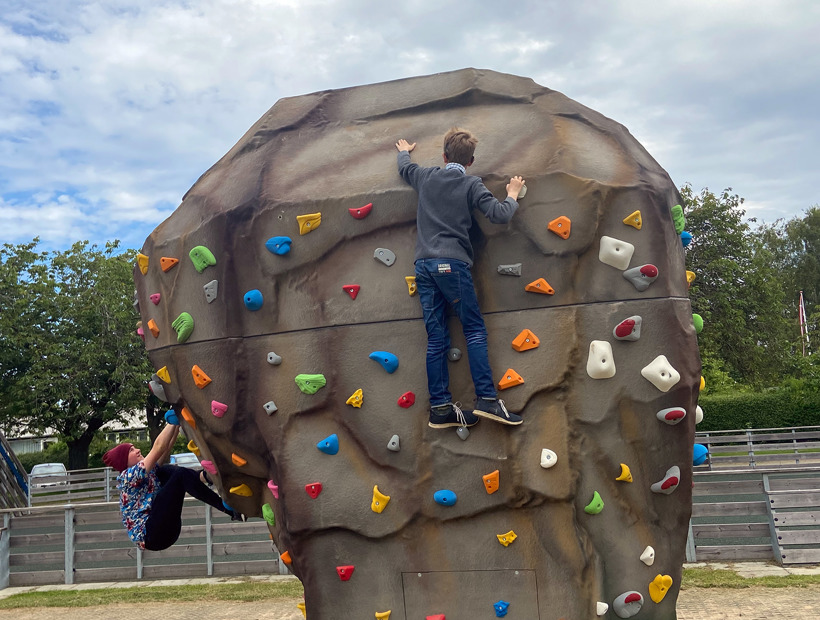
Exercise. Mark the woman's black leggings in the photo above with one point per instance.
(165, 521)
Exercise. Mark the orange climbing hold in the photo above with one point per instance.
(166, 263)
(540, 286)
(510, 379)
(200, 378)
(561, 226)
(525, 341)
(491, 482)
(188, 417)
(634, 219)
(152, 325)
(238, 460)
(285, 557)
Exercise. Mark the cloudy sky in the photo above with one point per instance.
(110, 110)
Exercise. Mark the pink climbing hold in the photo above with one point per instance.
(218, 409)
(155, 298)
(345, 572)
(208, 466)
(361, 212)
(436, 617)
(141, 333)
(352, 290)
(274, 489)
(407, 399)
(313, 489)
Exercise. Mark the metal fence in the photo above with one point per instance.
(77, 486)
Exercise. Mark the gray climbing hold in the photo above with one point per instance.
(270, 407)
(641, 277)
(463, 432)
(385, 256)
(211, 290)
(510, 270)
(627, 604)
(393, 445)
(157, 389)
(454, 354)
(273, 359)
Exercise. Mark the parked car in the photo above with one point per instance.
(186, 459)
(48, 475)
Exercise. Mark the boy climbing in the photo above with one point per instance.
(443, 259)
(151, 495)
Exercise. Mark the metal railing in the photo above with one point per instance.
(761, 447)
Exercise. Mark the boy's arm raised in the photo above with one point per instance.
(407, 169)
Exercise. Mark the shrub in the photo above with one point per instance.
(776, 408)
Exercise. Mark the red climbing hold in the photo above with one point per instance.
(345, 572)
(633, 598)
(650, 271)
(361, 212)
(624, 328)
(407, 399)
(313, 489)
(436, 617)
(352, 290)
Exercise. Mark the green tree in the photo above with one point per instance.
(69, 356)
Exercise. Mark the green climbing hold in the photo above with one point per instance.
(678, 218)
(310, 384)
(595, 506)
(202, 258)
(183, 325)
(267, 513)
(698, 321)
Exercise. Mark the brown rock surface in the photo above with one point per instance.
(331, 151)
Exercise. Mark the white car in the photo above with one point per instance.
(48, 475)
(186, 459)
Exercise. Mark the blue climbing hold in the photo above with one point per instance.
(253, 300)
(388, 361)
(171, 417)
(279, 245)
(699, 454)
(445, 497)
(686, 238)
(227, 506)
(329, 445)
(501, 608)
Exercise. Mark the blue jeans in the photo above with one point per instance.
(443, 281)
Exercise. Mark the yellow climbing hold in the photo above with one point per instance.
(659, 587)
(626, 475)
(192, 447)
(356, 399)
(702, 383)
(634, 220)
(380, 500)
(411, 284)
(238, 460)
(690, 277)
(163, 374)
(243, 489)
(491, 482)
(301, 607)
(308, 223)
(142, 263)
(383, 615)
(507, 539)
(188, 417)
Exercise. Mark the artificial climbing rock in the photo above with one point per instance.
(697, 320)
(183, 325)
(561, 226)
(510, 270)
(634, 220)
(501, 608)
(625, 475)
(253, 300)
(596, 504)
(507, 539)
(661, 374)
(628, 604)
(167, 263)
(211, 290)
(352, 290)
(678, 218)
(279, 245)
(491, 481)
(153, 328)
(218, 409)
(615, 252)
(310, 384)
(142, 263)
(671, 415)
(548, 458)
(163, 374)
(669, 482)
(540, 286)
(155, 298)
(601, 362)
(309, 222)
(242, 490)
(345, 572)
(270, 407)
(628, 329)
(659, 587)
(445, 497)
(329, 445)
(648, 556)
(202, 258)
(356, 399)
(387, 360)
(273, 358)
(313, 489)
(411, 285)
(699, 454)
(510, 379)
(361, 212)
(383, 255)
(407, 400)
(641, 277)
(394, 445)
(379, 501)
(525, 341)
(268, 514)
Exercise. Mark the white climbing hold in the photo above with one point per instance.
(661, 374)
(211, 290)
(615, 252)
(648, 556)
(669, 483)
(601, 608)
(270, 407)
(385, 256)
(273, 359)
(601, 363)
(548, 458)
(698, 415)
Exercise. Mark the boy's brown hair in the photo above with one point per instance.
(459, 146)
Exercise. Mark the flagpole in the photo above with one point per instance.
(804, 328)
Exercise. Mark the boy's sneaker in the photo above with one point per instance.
(444, 416)
(494, 409)
(238, 516)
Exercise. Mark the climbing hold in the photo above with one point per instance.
(310, 384)
(625, 475)
(200, 378)
(672, 415)
(445, 497)
(166, 263)
(345, 572)
(394, 445)
(163, 374)
(491, 482)
(242, 490)
(510, 379)
(313, 489)
(360, 213)
(669, 483)
(697, 320)
(270, 407)
(540, 286)
(628, 604)
(411, 285)
(628, 329)
(601, 362)
(308, 222)
(659, 587)
(226, 505)
(463, 432)
(407, 399)
(329, 445)
(301, 607)
(648, 556)
(686, 238)
(268, 514)
(699, 454)
(188, 417)
(601, 608)
(595, 506)
(211, 290)
(548, 458)
(253, 300)
(274, 489)
(501, 608)
(218, 409)
(561, 226)
(142, 263)
(351, 289)
(171, 417)
(279, 245)
(153, 327)
(641, 277)
(441, 616)
(202, 258)
(208, 466)
(615, 252)
(273, 359)
(379, 502)
(356, 399)
(141, 331)
(510, 270)
(507, 539)
(454, 354)
(383, 615)
(157, 390)
(702, 383)
(698, 415)
(525, 341)
(155, 298)
(634, 220)
(388, 361)
(690, 277)
(285, 557)
(183, 325)
(238, 460)
(678, 218)
(385, 256)
(661, 374)
(192, 447)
